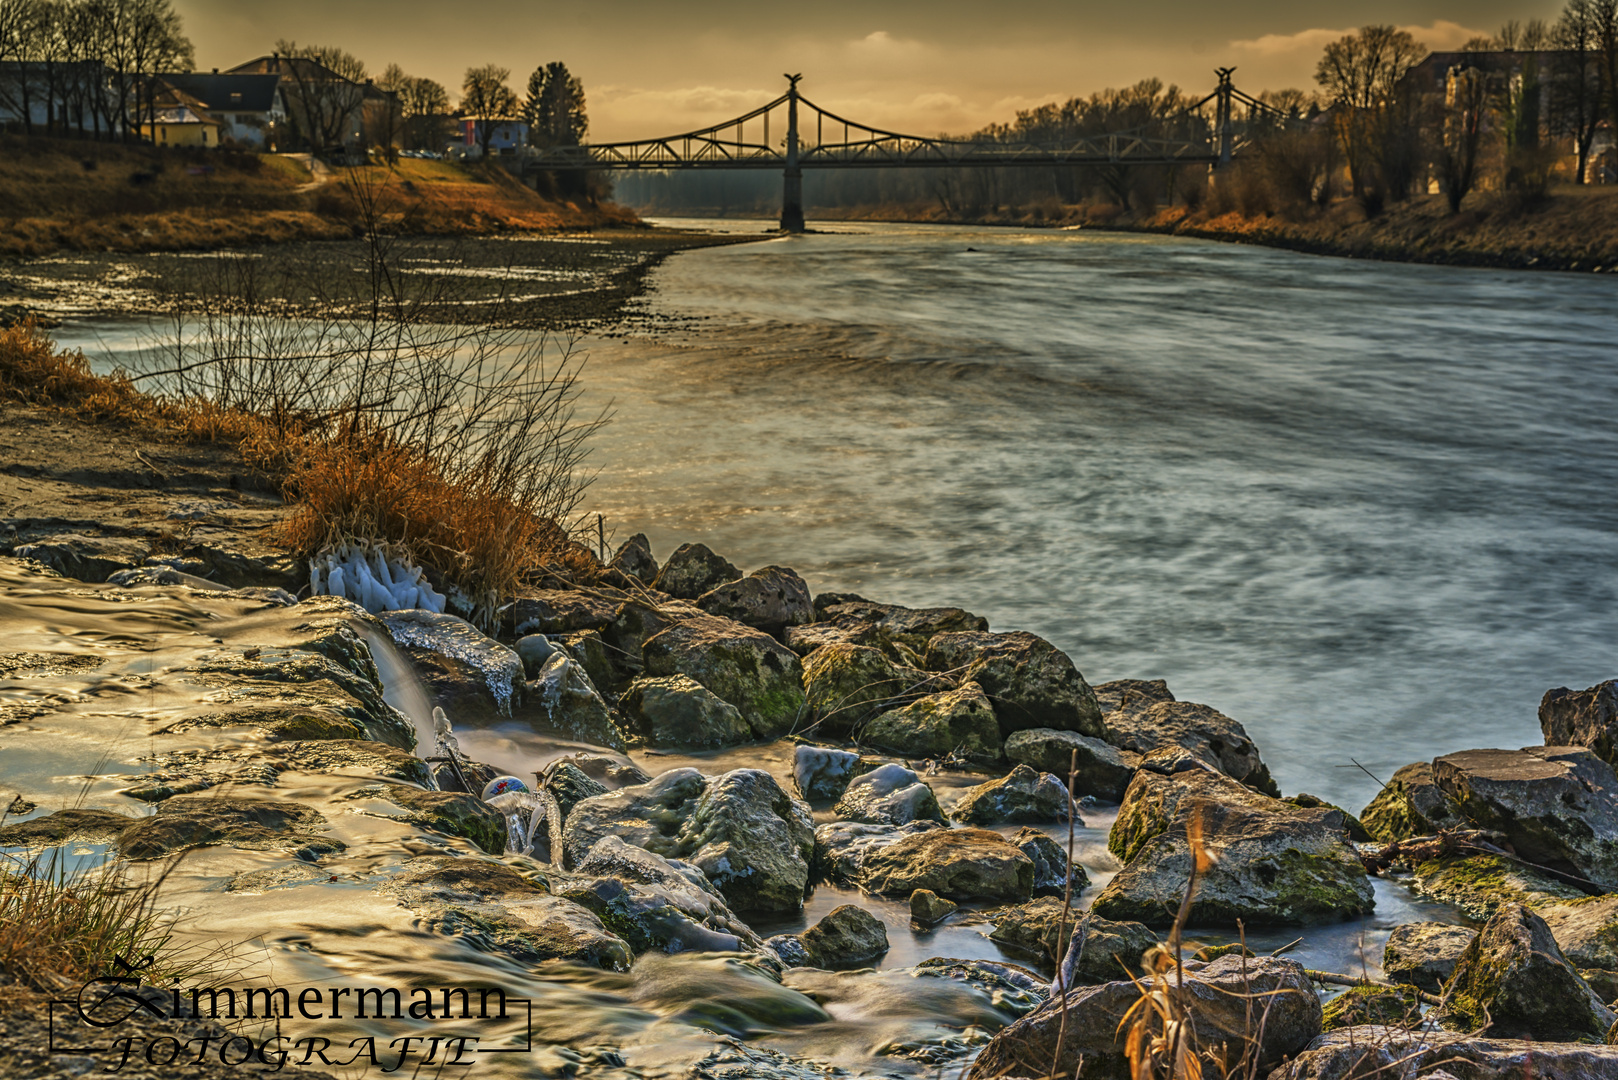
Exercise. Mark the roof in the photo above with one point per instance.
(229, 92)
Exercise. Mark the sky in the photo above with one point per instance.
(652, 67)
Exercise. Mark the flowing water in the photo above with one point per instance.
(1363, 508)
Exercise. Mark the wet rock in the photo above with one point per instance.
(554, 612)
(593, 654)
(928, 908)
(911, 627)
(569, 785)
(465, 775)
(638, 620)
(1131, 694)
(1030, 682)
(1377, 1051)
(1112, 950)
(1410, 805)
(1423, 955)
(1276, 864)
(1102, 769)
(1011, 989)
(1557, 806)
(1206, 733)
(1023, 797)
(1582, 718)
(847, 684)
(496, 910)
(65, 826)
(348, 756)
(634, 557)
(1479, 884)
(1053, 872)
(822, 773)
(1514, 978)
(1356, 829)
(470, 674)
(1604, 982)
(677, 712)
(693, 570)
(609, 771)
(84, 557)
(246, 564)
(849, 936)
(1217, 998)
(842, 846)
(533, 650)
(288, 722)
(188, 821)
(750, 838)
(955, 723)
(564, 699)
(743, 666)
(1371, 1005)
(1586, 930)
(960, 864)
(453, 813)
(888, 795)
(655, 903)
(770, 599)
(804, 640)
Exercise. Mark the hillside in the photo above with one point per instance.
(58, 195)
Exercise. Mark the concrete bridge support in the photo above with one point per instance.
(792, 178)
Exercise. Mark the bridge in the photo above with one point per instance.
(744, 143)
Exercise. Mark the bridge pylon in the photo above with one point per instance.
(1222, 117)
(792, 178)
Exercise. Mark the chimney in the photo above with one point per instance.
(216, 71)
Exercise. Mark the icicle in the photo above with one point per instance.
(335, 582)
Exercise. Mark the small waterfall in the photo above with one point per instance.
(524, 812)
(401, 687)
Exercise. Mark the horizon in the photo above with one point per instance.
(958, 73)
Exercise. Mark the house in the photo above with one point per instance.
(178, 119)
(327, 112)
(247, 108)
(57, 98)
(506, 136)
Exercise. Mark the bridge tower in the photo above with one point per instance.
(792, 196)
(1222, 117)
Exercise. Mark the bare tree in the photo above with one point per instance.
(485, 98)
(1466, 104)
(325, 93)
(1375, 109)
(1575, 80)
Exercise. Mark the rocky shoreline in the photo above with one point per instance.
(274, 750)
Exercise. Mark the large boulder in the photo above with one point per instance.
(1112, 950)
(1557, 806)
(638, 620)
(1131, 694)
(1480, 884)
(471, 675)
(1024, 797)
(959, 864)
(1410, 804)
(841, 847)
(823, 773)
(677, 712)
(954, 724)
(848, 684)
(888, 795)
(634, 559)
(564, 699)
(1031, 683)
(1424, 954)
(1514, 979)
(1586, 930)
(1373, 1051)
(693, 570)
(1217, 998)
(744, 666)
(1273, 863)
(1054, 872)
(847, 937)
(652, 815)
(1098, 768)
(771, 599)
(892, 624)
(555, 612)
(1199, 730)
(1582, 718)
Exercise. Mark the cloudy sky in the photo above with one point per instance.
(651, 67)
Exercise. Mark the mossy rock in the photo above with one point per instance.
(1031, 682)
(746, 667)
(850, 684)
(957, 723)
(1356, 830)
(187, 821)
(1480, 884)
(1388, 1005)
(1409, 805)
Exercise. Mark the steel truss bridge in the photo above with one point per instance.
(829, 141)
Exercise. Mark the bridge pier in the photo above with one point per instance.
(792, 178)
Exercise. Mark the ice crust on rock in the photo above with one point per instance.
(362, 573)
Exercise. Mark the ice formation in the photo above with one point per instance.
(362, 573)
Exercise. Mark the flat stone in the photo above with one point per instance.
(1372, 1050)
(1424, 954)
(187, 821)
(564, 611)
(84, 557)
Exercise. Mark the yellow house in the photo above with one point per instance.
(180, 120)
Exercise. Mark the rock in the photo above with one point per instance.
(1372, 1005)
(1557, 806)
(454, 813)
(74, 825)
(1011, 989)
(634, 557)
(187, 821)
(677, 712)
(1023, 797)
(848, 937)
(1604, 982)
(960, 864)
(564, 699)
(638, 620)
(1217, 998)
(1514, 978)
(770, 599)
(1479, 884)
(533, 650)
(955, 723)
(1205, 733)
(912, 627)
(590, 649)
(496, 910)
(1586, 930)
(848, 684)
(465, 775)
(569, 785)
(1112, 950)
(1030, 682)
(888, 795)
(1582, 718)
(693, 570)
(1361, 1053)
(1102, 769)
(610, 771)
(1410, 805)
(743, 666)
(928, 908)
(469, 673)
(554, 612)
(655, 903)
(1276, 864)
(1053, 872)
(804, 640)
(347, 756)
(842, 846)
(87, 558)
(1131, 694)
(821, 773)
(751, 839)
(1423, 954)
(1356, 829)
